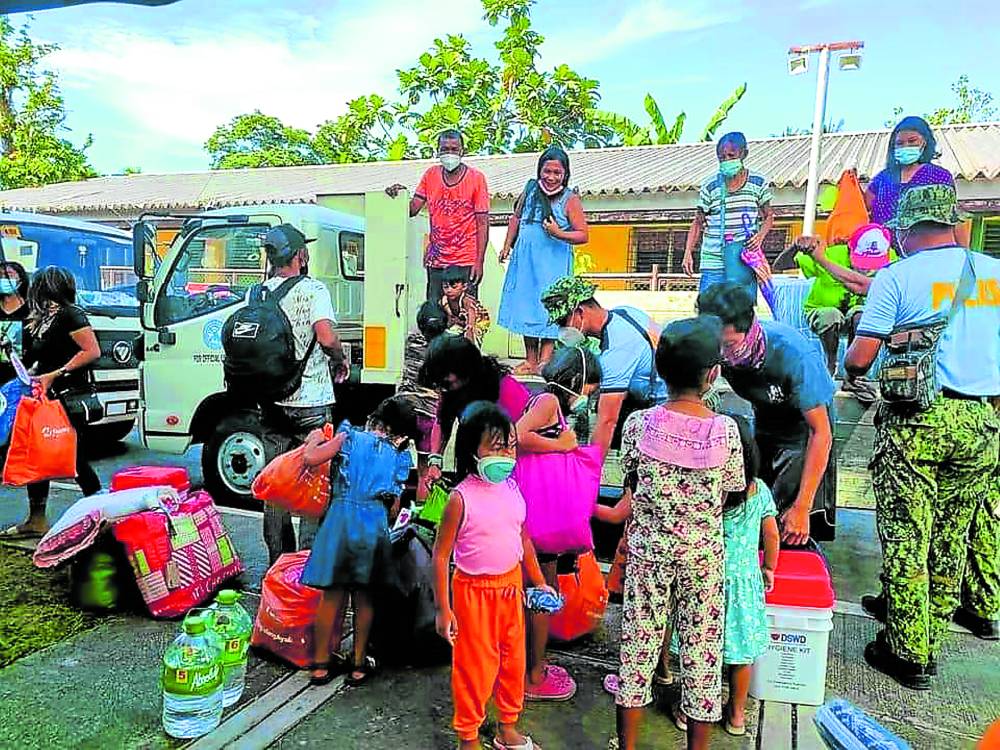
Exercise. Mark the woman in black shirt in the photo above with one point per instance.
(59, 346)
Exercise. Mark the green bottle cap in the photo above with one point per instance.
(194, 624)
(227, 596)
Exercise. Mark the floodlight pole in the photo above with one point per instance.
(819, 117)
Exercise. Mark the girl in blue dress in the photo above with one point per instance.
(745, 515)
(548, 219)
(351, 552)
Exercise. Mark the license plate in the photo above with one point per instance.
(115, 409)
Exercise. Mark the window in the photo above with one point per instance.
(991, 237)
(214, 270)
(665, 246)
(352, 255)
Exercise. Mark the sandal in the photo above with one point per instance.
(727, 723)
(367, 671)
(336, 666)
(528, 744)
(18, 531)
(679, 717)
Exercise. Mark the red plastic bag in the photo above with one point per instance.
(586, 599)
(287, 613)
(42, 443)
(288, 483)
(179, 558)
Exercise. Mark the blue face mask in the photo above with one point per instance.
(495, 469)
(7, 287)
(730, 167)
(907, 155)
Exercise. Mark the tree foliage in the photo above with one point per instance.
(971, 105)
(658, 132)
(32, 117)
(501, 105)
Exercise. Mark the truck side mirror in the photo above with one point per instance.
(143, 238)
(142, 291)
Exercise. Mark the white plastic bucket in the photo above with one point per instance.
(793, 669)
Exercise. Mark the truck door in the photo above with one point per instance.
(394, 284)
(195, 290)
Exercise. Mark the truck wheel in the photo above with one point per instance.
(232, 458)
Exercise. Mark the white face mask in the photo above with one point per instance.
(450, 162)
(570, 336)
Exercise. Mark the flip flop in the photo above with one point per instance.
(528, 744)
(15, 532)
(367, 670)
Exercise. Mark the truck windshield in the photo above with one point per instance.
(214, 269)
(101, 263)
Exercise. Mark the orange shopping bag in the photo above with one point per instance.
(42, 443)
(288, 483)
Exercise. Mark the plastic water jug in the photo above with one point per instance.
(233, 625)
(192, 681)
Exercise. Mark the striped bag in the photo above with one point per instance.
(179, 557)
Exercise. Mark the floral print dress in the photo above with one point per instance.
(685, 465)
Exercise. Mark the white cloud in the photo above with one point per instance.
(180, 85)
(640, 22)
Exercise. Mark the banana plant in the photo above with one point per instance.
(723, 112)
(657, 132)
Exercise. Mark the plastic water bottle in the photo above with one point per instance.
(233, 625)
(192, 681)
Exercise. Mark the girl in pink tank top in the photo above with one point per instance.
(482, 613)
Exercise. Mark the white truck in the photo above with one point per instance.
(100, 259)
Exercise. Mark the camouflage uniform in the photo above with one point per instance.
(981, 587)
(930, 471)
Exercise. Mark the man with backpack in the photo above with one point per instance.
(280, 349)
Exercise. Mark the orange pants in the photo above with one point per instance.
(489, 654)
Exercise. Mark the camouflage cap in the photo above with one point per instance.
(565, 295)
(935, 203)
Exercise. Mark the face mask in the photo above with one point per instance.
(580, 404)
(7, 287)
(730, 167)
(450, 162)
(570, 336)
(907, 155)
(304, 269)
(495, 469)
(548, 192)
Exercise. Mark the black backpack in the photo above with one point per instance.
(259, 345)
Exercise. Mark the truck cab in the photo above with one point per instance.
(186, 296)
(100, 259)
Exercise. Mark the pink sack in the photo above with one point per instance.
(560, 491)
(179, 558)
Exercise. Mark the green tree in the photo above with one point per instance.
(971, 105)
(32, 117)
(259, 140)
(658, 132)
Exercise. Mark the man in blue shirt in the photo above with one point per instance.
(932, 469)
(785, 379)
(628, 340)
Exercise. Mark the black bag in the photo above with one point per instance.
(908, 376)
(259, 345)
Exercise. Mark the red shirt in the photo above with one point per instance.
(453, 210)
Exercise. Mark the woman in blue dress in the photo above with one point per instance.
(548, 220)
(351, 552)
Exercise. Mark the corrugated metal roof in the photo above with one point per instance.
(971, 152)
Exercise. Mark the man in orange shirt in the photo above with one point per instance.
(459, 203)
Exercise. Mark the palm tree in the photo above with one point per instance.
(657, 132)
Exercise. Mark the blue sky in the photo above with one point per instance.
(151, 84)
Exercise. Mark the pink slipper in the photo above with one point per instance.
(611, 684)
(556, 686)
